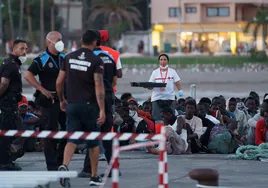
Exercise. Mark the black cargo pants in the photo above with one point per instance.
(53, 119)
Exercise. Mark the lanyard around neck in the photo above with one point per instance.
(163, 78)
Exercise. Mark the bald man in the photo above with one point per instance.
(47, 66)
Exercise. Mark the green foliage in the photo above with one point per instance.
(260, 22)
(258, 55)
(120, 13)
(35, 15)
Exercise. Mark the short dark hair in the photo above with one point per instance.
(181, 100)
(32, 103)
(167, 110)
(205, 100)
(89, 37)
(233, 99)
(163, 55)
(250, 98)
(201, 104)
(125, 96)
(147, 103)
(191, 102)
(17, 41)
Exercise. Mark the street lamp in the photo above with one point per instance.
(179, 25)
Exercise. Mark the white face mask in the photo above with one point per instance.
(59, 46)
(22, 58)
(165, 67)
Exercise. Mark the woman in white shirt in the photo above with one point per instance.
(164, 97)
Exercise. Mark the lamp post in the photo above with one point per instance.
(179, 25)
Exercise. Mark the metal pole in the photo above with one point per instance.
(148, 26)
(1, 24)
(179, 25)
(193, 91)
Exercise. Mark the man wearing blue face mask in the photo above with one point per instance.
(47, 66)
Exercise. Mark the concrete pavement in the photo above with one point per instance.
(139, 170)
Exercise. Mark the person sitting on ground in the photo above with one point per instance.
(261, 132)
(214, 111)
(252, 106)
(207, 124)
(176, 132)
(34, 109)
(241, 117)
(29, 122)
(255, 96)
(125, 96)
(222, 139)
(194, 131)
(139, 116)
(207, 102)
(180, 106)
(253, 121)
(227, 116)
(147, 107)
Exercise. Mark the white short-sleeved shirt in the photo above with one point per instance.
(170, 77)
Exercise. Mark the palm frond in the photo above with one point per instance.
(246, 29)
(97, 13)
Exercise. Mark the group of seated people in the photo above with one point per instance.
(210, 126)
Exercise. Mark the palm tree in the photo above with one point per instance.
(42, 24)
(52, 15)
(21, 17)
(68, 17)
(259, 22)
(10, 19)
(116, 11)
(29, 20)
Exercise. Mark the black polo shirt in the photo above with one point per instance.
(109, 68)
(80, 67)
(47, 67)
(10, 69)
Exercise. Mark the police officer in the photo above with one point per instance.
(110, 79)
(82, 71)
(10, 95)
(47, 66)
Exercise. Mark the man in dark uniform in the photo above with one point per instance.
(10, 95)
(47, 67)
(82, 71)
(110, 78)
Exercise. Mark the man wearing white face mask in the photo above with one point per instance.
(10, 95)
(164, 97)
(47, 67)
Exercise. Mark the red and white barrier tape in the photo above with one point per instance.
(138, 145)
(116, 155)
(79, 135)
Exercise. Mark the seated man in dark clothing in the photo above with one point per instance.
(201, 113)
